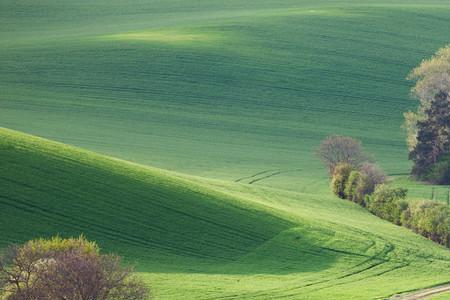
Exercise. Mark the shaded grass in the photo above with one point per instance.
(207, 239)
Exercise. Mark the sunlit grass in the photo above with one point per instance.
(165, 36)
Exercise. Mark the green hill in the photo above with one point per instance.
(222, 89)
(194, 238)
(237, 94)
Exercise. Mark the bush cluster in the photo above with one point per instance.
(366, 187)
(357, 180)
(356, 184)
(428, 218)
(388, 203)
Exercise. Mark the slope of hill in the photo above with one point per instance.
(194, 238)
(222, 89)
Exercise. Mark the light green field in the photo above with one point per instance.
(444, 296)
(239, 92)
(193, 238)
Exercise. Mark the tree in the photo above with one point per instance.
(341, 149)
(433, 137)
(66, 269)
(429, 128)
(432, 77)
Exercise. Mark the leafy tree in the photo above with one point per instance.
(433, 138)
(432, 77)
(337, 149)
(66, 269)
(429, 128)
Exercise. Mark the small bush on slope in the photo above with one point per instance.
(428, 218)
(340, 178)
(386, 203)
(351, 192)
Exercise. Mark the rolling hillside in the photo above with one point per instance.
(225, 100)
(221, 89)
(194, 238)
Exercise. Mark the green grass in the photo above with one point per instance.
(420, 190)
(239, 92)
(444, 296)
(194, 238)
(213, 88)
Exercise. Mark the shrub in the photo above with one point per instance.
(340, 178)
(364, 189)
(66, 269)
(386, 203)
(350, 191)
(428, 218)
(335, 150)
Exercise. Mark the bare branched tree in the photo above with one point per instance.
(337, 149)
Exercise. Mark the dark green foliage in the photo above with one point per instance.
(439, 173)
(433, 141)
(385, 202)
(340, 178)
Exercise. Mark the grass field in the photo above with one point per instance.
(237, 94)
(194, 238)
(444, 296)
(222, 90)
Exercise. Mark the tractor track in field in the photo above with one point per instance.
(254, 175)
(266, 174)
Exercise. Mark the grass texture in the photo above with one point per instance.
(194, 238)
(217, 89)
